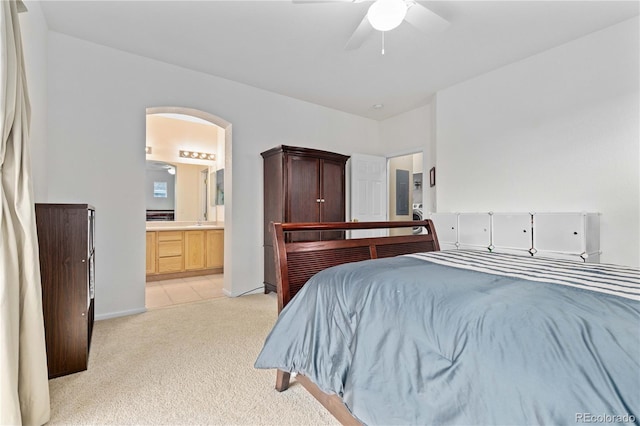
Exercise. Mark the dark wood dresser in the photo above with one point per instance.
(301, 185)
(66, 241)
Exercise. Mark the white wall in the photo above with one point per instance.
(412, 132)
(97, 101)
(34, 38)
(558, 131)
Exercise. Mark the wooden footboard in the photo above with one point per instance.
(296, 262)
(332, 403)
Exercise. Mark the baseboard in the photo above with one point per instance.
(258, 290)
(120, 314)
(184, 274)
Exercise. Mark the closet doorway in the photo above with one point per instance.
(405, 202)
(387, 188)
(186, 253)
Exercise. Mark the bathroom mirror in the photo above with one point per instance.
(191, 147)
(177, 191)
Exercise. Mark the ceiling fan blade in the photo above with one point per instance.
(424, 19)
(359, 35)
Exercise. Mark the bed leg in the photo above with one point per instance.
(282, 380)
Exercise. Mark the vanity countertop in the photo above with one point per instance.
(183, 226)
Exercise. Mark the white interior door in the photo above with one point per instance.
(368, 192)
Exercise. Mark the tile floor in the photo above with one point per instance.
(160, 294)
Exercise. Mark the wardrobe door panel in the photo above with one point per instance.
(303, 196)
(332, 192)
(332, 201)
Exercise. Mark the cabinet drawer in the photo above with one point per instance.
(169, 248)
(170, 236)
(170, 264)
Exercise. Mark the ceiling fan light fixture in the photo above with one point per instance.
(385, 15)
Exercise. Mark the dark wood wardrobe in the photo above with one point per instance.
(301, 185)
(66, 244)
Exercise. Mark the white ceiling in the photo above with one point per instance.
(298, 49)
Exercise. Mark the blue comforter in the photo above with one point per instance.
(417, 340)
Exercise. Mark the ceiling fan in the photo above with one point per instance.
(385, 15)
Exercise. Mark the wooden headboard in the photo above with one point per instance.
(296, 262)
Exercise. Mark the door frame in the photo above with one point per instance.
(426, 192)
(228, 175)
(426, 195)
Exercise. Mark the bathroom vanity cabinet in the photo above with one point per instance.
(184, 253)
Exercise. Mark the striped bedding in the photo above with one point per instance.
(467, 338)
(618, 280)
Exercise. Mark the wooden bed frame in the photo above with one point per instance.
(296, 262)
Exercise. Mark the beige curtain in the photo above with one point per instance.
(24, 388)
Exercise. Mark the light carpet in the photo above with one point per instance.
(183, 365)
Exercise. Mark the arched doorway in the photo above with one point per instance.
(226, 128)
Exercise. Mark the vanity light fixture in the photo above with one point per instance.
(197, 155)
(147, 150)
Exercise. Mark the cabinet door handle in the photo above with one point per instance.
(318, 200)
(322, 200)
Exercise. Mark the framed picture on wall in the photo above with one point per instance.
(432, 177)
